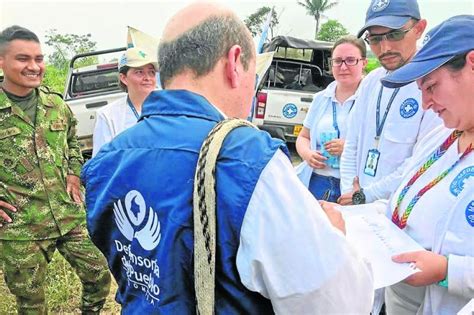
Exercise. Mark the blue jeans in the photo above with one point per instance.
(325, 187)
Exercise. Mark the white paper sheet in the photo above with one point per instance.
(377, 239)
(468, 309)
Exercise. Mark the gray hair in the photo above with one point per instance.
(15, 32)
(200, 48)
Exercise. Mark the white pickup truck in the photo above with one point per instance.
(299, 69)
(89, 88)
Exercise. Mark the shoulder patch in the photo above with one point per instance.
(457, 185)
(5, 133)
(409, 108)
(470, 213)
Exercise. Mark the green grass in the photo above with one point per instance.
(63, 291)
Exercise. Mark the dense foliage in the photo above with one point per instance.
(331, 31)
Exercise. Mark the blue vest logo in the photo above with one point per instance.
(290, 110)
(409, 108)
(142, 271)
(470, 213)
(457, 184)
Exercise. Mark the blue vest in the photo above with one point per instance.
(139, 205)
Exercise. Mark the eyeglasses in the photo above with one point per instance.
(349, 61)
(392, 36)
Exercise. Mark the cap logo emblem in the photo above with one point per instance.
(379, 5)
(142, 54)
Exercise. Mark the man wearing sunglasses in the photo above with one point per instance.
(385, 123)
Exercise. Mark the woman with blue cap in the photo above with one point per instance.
(435, 201)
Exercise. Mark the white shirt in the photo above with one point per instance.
(320, 119)
(290, 253)
(405, 125)
(430, 208)
(111, 120)
(439, 221)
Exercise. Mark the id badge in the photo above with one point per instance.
(372, 162)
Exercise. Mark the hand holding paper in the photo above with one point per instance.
(433, 267)
(377, 239)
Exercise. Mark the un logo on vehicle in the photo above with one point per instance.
(409, 108)
(130, 219)
(290, 110)
(379, 5)
(458, 183)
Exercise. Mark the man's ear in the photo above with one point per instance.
(420, 28)
(234, 66)
(469, 60)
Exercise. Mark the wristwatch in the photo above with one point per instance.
(358, 197)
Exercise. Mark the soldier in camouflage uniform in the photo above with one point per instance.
(40, 198)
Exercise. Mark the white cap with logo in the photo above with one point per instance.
(135, 57)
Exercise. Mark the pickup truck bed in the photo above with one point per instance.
(299, 69)
(90, 88)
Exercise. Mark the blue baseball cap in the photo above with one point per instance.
(453, 37)
(390, 13)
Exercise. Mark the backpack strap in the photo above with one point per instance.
(204, 215)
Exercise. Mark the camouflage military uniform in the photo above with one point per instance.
(34, 162)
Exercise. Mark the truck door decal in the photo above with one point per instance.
(290, 110)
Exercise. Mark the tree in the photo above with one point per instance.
(67, 45)
(255, 21)
(55, 78)
(331, 31)
(316, 8)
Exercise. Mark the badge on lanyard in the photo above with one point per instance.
(373, 155)
(371, 163)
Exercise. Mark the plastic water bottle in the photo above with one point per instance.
(326, 136)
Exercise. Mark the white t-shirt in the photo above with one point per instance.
(405, 125)
(434, 204)
(440, 220)
(111, 120)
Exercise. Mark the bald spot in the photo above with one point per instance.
(190, 17)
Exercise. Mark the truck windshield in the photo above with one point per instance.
(94, 82)
(292, 75)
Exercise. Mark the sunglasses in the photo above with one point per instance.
(392, 36)
(349, 61)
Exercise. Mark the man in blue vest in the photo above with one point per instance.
(276, 250)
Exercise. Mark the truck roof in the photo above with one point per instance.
(298, 43)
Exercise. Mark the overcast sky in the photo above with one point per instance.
(106, 20)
